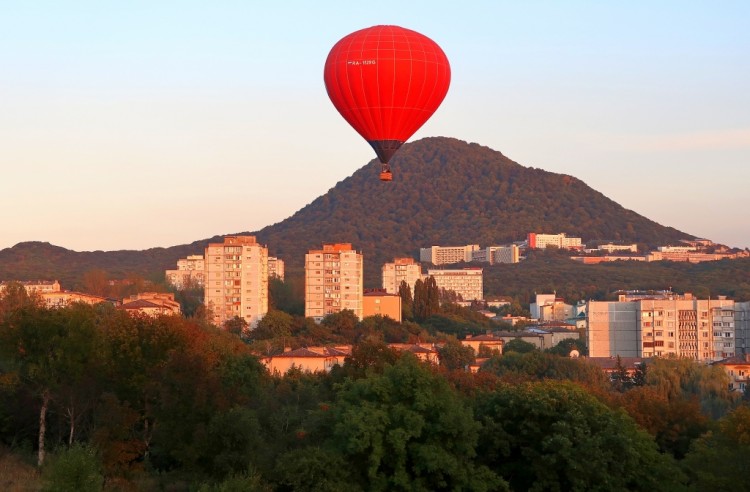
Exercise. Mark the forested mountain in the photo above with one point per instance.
(445, 192)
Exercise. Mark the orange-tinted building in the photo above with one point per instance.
(379, 302)
(333, 281)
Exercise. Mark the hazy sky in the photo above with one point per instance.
(129, 125)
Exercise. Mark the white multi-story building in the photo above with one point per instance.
(446, 255)
(190, 272)
(466, 282)
(38, 286)
(496, 254)
(275, 267)
(401, 270)
(611, 248)
(236, 280)
(333, 281)
(541, 241)
(682, 326)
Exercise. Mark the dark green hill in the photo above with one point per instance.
(445, 192)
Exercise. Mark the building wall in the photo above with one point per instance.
(401, 270)
(189, 272)
(742, 327)
(275, 267)
(40, 286)
(698, 329)
(333, 281)
(541, 241)
(237, 280)
(383, 305)
(467, 282)
(446, 255)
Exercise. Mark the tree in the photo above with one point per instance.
(426, 299)
(555, 436)
(407, 301)
(236, 326)
(718, 460)
(564, 347)
(520, 346)
(406, 429)
(275, 324)
(454, 355)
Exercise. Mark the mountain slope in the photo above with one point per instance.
(445, 192)
(448, 192)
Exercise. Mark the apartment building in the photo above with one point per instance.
(190, 273)
(536, 240)
(401, 270)
(447, 255)
(236, 276)
(151, 304)
(497, 254)
(549, 307)
(333, 281)
(275, 267)
(466, 282)
(682, 326)
(742, 327)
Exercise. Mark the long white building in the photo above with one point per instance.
(190, 272)
(236, 276)
(466, 282)
(682, 326)
(536, 240)
(333, 281)
(447, 255)
(497, 254)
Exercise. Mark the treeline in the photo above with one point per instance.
(108, 401)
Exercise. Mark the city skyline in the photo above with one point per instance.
(111, 116)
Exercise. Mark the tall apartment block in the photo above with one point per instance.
(401, 270)
(682, 326)
(446, 255)
(540, 241)
(190, 271)
(333, 281)
(236, 276)
(466, 282)
(275, 267)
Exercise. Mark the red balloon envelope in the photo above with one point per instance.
(386, 81)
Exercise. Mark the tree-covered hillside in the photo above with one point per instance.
(445, 192)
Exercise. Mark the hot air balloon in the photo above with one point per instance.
(386, 81)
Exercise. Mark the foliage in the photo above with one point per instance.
(74, 470)
(520, 346)
(682, 378)
(555, 436)
(718, 460)
(405, 429)
(516, 366)
(564, 347)
(453, 355)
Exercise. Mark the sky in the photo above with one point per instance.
(139, 124)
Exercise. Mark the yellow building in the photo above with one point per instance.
(63, 298)
(445, 255)
(309, 359)
(40, 286)
(738, 370)
(237, 280)
(333, 281)
(381, 303)
(401, 270)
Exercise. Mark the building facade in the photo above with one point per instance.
(681, 326)
(541, 241)
(466, 282)
(742, 327)
(446, 255)
(497, 254)
(381, 303)
(333, 281)
(190, 273)
(38, 286)
(401, 270)
(275, 267)
(236, 280)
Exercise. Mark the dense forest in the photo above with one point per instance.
(94, 399)
(446, 192)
